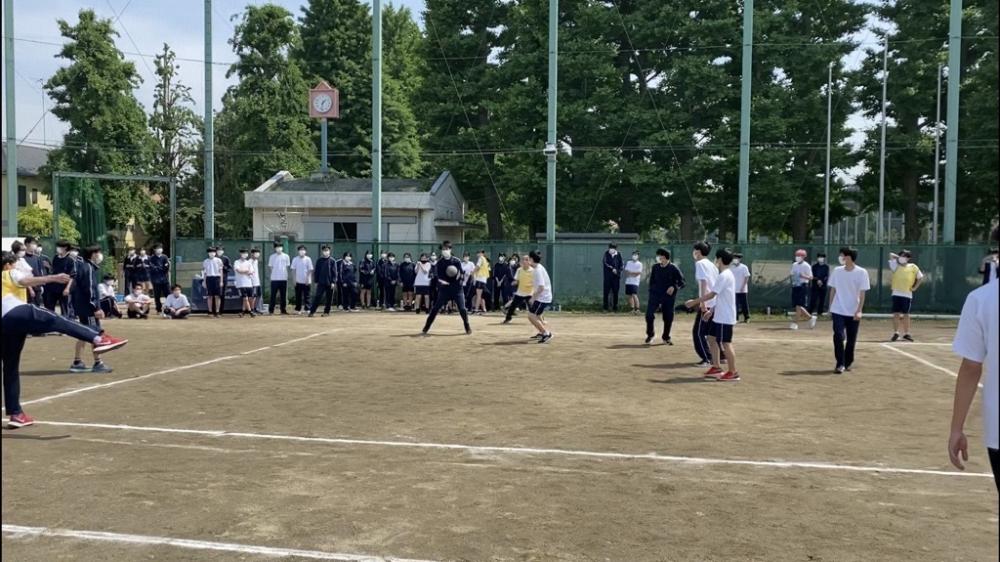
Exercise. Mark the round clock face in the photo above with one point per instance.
(322, 103)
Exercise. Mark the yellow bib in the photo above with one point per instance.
(12, 288)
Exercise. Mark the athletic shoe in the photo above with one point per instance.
(840, 369)
(537, 336)
(506, 321)
(79, 367)
(703, 364)
(100, 367)
(793, 326)
(390, 309)
(668, 341)
(468, 331)
(908, 337)
(895, 337)
(729, 377)
(107, 343)
(812, 322)
(747, 320)
(848, 367)
(545, 338)
(713, 372)
(20, 420)
(649, 339)
(424, 333)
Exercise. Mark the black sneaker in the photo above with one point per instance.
(506, 321)
(545, 338)
(468, 331)
(895, 337)
(537, 336)
(668, 341)
(649, 339)
(908, 337)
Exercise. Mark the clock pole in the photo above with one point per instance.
(324, 166)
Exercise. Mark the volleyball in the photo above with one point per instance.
(452, 271)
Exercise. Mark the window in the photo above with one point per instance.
(34, 196)
(22, 196)
(347, 231)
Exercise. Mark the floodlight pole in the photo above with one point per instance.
(829, 136)
(55, 206)
(550, 142)
(951, 142)
(937, 158)
(10, 205)
(209, 135)
(880, 226)
(376, 122)
(173, 231)
(745, 91)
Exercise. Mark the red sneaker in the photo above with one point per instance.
(21, 420)
(108, 343)
(713, 372)
(729, 377)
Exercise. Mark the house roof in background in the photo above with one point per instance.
(353, 185)
(30, 159)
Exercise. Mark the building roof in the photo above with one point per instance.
(352, 185)
(30, 159)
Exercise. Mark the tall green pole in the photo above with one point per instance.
(744, 186)
(10, 205)
(951, 143)
(209, 139)
(376, 122)
(550, 141)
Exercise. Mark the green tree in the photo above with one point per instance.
(34, 220)
(107, 133)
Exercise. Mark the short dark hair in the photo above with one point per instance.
(324, 247)
(300, 247)
(704, 248)
(663, 252)
(391, 255)
(725, 255)
(535, 256)
(737, 256)
(9, 258)
(906, 254)
(210, 249)
(407, 255)
(244, 251)
(445, 245)
(465, 254)
(612, 245)
(137, 286)
(157, 246)
(849, 251)
(30, 239)
(278, 245)
(16, 246)
(176, 286)
(63, 243)
(89, 251)
(109, 277)
(821, 255)
(254, 249)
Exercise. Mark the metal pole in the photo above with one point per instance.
(550, 142)
(937, 159)
(8, 60)
(173, 231)
(209, 139)
(951, 142)
(744, 183)
(829, 136)
(323, 166)
(376, 122)
(55, 208)
(880, 227)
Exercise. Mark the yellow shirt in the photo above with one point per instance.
(11, 286)
(525, 282)
(904, 277)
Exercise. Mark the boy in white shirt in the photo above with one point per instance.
(721, 318)
(848, 284)
(302, 265)
(211, 280)
(106, 292)
(633, 273)
(138, 303)
(541, 298)
(741, 273)
(177, 306)
(801, 275)
(258, 300)
(244, 268)
(976, 341)
(705, 274)
(278, 265)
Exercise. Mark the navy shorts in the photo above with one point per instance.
(538, 308)
(213, 286)
(407, 288)
(366, 283)
(722, 332)
(901, 305)
(799, 295)
(256, 291)
(423, 289)
(481, 285)
(246, 292)
(631, 289)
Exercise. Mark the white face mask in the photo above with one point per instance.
(61, 251)
(383, 256)
(904, 261)
(613, 252)
(635, 257)
(368, 256)
(736, 261)
(326, 253)
(211, 254)
(302, 253)
(347, 259)
(158, 251)
(407, 259)
(392, 260)
(434, 257)
(662, 260)
(842, 260)
(73, 253)
(798, 259)
(98, 258)
(220, 253)
(142, 253)
(446, 253)
(820, 260)
(279, 250)
(21, 254)
(256, 256)
(243, 256)
(137, 292)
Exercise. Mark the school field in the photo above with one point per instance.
(348, 438)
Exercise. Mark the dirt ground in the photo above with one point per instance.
(349, 434)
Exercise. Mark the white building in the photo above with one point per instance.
(327, 209)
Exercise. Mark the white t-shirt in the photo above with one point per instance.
(725, 298)
(249, 268)
(423, 275)
(105, 291)
(849, 285)
(177, 302)
(278, 263)
(976, 340)
(740, 273)
(255, 276)
(142, 298)
(212, 267)
(705, 270)
(541, 280)
(633, 267)
(302, 266)
(467, 268)
(801, 272)
(10, 302)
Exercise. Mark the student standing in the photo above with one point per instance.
(278, 265)
(818, 285)
(141, 270)
(665, 281)
(906, 278)
(349, 283)
(128, 268)
(722, 318)
(380, 279)
(407, 278)
(326, 281)
(56, 294)
(391, 283)
(422, 284)
(501, 273)
(227, 270)
(159, 275)
(243, 268)
(705, 274)
(211, 275)
(741, 274)
(525, 279)
(366, 272)
(449, 280)
(612, 267)
(801, 275)
(633, 274)
(976, 342)
(258, 294)
(87, 305)
(32, 259)
(302, 266)
(481, 274)
(468, 279)
(848, 284)
(541, 297)
(177, 306)
(988, 267)
(515, 265)
(137, 303)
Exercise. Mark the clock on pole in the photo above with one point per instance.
(324, 103)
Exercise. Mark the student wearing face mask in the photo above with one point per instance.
(141, 270)
(407, 279)
(721, 318)
(87, 305)
(633, 275)
(380, 280)
(848, 285)
(801, 276)
(302, 266)
(244, 269)
(818, 285)
(612, 266)
(366, 279)
(349, 283)
(741, 274)
(515, 264)
(705, 274)
(481, 275)
(211, 280)
(177, 306)
(665, 280)
(434, 284)
(391, 272)
(137, 303)
(501, 271)
(278, 265)
(468, 280)
(56, 294)
(128, 267)
(159, 275)
(422, 285)
(258, 294)
(326, 281)
(450, 283)
(106, 292)
(524, 278)
(906, 279)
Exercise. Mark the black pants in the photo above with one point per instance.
(17, 324)
(518, 302)
(698, 337)
(845, 336)
(178, 315)
(301, 296)
(666, 304)
(389, 295)
(53, 296)
(742, 306)
(817, 300)
(348, 296)
(995, 464)
(612, 285)
(279, 287)
(160, 291)
(324, 292)
(222, 297)
(110, 307)
(446, 295)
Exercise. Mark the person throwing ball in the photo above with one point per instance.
(449, 281)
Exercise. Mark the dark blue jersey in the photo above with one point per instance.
(325, 272)
(408, 273)
(159, 269)
(662, 277)
(612, 265)
(348, 273)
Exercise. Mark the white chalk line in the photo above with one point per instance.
(521, 450)
(19, 531)
(923, 361)
(166, 371)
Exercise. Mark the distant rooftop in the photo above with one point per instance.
(30, 159)
(357, 185)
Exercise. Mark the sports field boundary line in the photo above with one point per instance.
(19, 531)
(168, 371)
(923, 361)
(652, 456)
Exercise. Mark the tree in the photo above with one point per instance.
(35, 220)
(107, 133)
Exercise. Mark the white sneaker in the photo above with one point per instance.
(812, 322)
(390, 309)
(793, 326)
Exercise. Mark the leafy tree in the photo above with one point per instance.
(36, 221)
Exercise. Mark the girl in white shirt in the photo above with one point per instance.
(422, 285)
